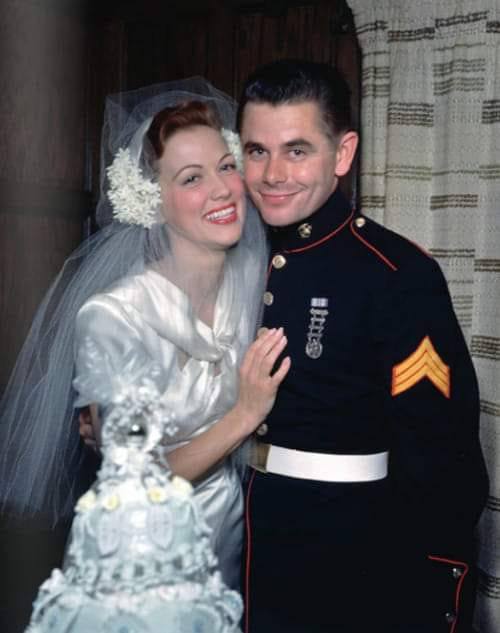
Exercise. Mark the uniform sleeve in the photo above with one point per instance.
(108, 350)
(436, 470)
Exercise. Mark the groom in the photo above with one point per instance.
(368, 477)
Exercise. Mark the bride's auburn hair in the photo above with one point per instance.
(172, 119)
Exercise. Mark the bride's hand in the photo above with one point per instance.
(258, 387)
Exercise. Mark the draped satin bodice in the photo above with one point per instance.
(144, 321)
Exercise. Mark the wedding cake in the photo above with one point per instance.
(139, 559)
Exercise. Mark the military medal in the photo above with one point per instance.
(314, 349)
(318, 312)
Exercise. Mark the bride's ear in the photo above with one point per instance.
(346, 150)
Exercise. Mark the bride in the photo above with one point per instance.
(170, 288)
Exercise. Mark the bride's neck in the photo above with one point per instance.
(198, 272)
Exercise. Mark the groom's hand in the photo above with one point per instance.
(86, 428)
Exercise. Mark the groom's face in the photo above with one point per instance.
(290, 161)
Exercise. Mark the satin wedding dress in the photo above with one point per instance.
(147, 320)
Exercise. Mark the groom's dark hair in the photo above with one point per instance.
(290, 81)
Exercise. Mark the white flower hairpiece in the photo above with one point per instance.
(133, 197)
(234, 144)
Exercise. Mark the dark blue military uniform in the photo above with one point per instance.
(378, 363)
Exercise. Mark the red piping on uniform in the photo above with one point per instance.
(323, 239)
(249, 553)
(372, 248)
(459, 584)
(421, 248)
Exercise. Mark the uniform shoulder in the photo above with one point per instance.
(394, 250)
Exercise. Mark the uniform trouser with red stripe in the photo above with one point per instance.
(323, 558)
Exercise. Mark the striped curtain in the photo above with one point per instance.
(430, 169)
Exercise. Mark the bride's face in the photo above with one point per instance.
(202, 191)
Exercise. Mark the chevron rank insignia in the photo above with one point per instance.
(424, 362)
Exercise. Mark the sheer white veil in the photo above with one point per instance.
(41, 454)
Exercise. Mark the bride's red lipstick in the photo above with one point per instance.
(222, 215)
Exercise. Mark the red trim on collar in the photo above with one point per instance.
(323, 239)
(372, 248)
(458, 591)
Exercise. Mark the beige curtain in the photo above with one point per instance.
(430, 169)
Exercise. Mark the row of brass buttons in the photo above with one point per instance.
(279, 261)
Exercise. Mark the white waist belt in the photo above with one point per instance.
(320, 466)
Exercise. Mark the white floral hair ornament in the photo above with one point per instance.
(234, 144)
(133, 197)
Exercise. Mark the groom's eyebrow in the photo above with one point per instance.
(298, 142)
(249, 145)
(294, 142)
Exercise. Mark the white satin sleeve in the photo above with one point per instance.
(109, 349)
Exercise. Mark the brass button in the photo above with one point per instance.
(305, 230)
(279, 261)
(268, 298)
(450, 617)
(262, 429)
(360, 222)
(456, 572)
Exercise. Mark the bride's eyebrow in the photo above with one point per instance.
(195, 166)
(227, 155)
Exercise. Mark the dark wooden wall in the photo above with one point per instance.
(43, 203)
(42, 156)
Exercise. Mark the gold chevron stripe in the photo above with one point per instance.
(420, 371)
(424, 362)
(426, 357)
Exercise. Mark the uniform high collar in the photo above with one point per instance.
(329, 218)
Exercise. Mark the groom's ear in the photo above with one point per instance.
(346, 149)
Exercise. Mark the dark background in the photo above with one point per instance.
(59, 59)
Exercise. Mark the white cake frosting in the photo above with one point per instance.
(139, 559)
